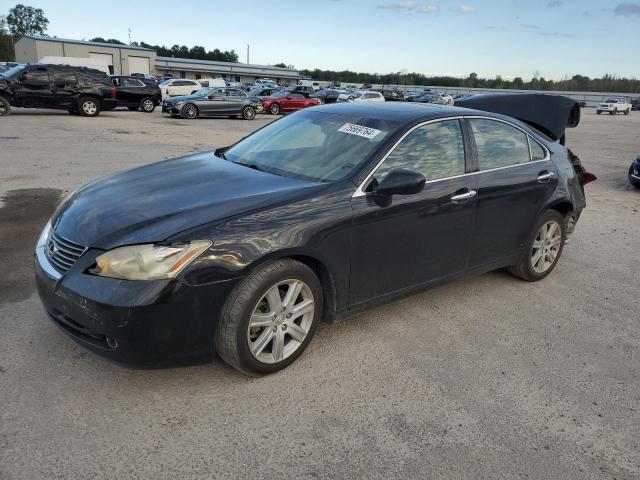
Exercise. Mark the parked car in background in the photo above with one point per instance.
(146, 76)
(314, 86)
(305, 90)
(614, 105)
(366, 97)
(263, 92)
(213, 102)
(179, 86)
(232, 83)
(211, 82)
(393, 95)
(634, 173)
(246, 86)
(77, 89)
(366, 86)
(635, 103)
(326, 95)
(446, 98)
(137, 93)
(245, 250)
(285, 101)
(433, 98)
(4, 66)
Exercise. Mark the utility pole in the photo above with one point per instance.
(247, 54)
(129, 36)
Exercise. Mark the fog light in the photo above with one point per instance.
(112, 342)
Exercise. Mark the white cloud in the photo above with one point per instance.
(467, 9)
(410, 6)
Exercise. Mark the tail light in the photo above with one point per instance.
(586, 177)
(113, 92)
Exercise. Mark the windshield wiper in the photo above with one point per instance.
(251, 165)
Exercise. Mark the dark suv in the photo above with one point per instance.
(77, 89)
(137, 93)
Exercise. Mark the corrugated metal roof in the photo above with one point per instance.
(220, 64)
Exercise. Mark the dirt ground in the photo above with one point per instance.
(486, 377)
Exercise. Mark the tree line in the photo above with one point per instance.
(576, 83)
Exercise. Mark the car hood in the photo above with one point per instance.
(154, 202)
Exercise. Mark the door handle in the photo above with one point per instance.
(545, 176)
(463, 197)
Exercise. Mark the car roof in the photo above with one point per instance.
(400, 111)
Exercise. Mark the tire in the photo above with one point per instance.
(598, 112)
(88, 107)
(626, 112)
(612, 112)
(248, 113)
(633, 181)
(274, 109)
(530, 270)
(190, 111)
(253, 350)
(5, 107)
(147, 105)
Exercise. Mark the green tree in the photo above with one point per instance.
(6, 42)
(23, 20)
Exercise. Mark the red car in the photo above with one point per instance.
(287, 102)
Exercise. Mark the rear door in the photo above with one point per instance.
(65, 85)
(235, 101)
(516, 178)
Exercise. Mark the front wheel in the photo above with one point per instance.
(274, 109)
(626, 112)
(543, 248)
(270, 318)
(88, 107)
(633, 181)
(5, 107)
(190, 111)
(248, 113)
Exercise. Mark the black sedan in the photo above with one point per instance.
(634, 173)
(427, 98)
(214, 102)
(137, 93)
(325, 212)
(326, 95)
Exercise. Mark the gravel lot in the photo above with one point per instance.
(486, 377)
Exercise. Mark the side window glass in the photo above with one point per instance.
(499, 144)
(436, 150)
(65, 79)
(36, 78)
(537, 152)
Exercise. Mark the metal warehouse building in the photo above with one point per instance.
(128, 59)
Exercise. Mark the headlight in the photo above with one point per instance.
(44, 235)
(148, 262)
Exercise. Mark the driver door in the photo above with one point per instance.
(412, 240)
(34, 89)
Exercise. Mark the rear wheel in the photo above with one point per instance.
(248, 113)
(270, 318)
(626, 112)
(190, 111)
(5, 107)
(543, 249)
(274, 109)
(147, 105)
(88, 107)
(598, 112)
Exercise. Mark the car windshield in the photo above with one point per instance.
(13, 72)
(316, 146)
(203, 93)
(612, 100)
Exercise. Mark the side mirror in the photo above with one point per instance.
(401, 182)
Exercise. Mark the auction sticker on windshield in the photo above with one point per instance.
(353, 129)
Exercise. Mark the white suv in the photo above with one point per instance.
(615, 105)
(179, 86)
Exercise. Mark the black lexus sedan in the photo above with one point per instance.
(320, 214)
(634, 173)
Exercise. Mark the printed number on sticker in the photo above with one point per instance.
(353, 129)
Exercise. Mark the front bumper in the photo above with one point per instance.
(145, 324)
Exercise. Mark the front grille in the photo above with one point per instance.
(63, 253)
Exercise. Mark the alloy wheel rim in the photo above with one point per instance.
(275, 109)
(89, 107)
(546, 246)
(190, 112)
(249, 113)
(280, 321)
(147, 105)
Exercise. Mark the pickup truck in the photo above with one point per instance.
(615, 105)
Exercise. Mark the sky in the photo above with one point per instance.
(555, 38)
